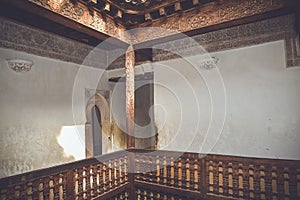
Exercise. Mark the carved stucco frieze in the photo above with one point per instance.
(279, 28)
(30, 40)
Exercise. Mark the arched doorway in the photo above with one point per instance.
(97, 127)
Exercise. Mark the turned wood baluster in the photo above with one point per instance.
(40, 189)
(196, 175)
(210, 177)
(121, 171)
(230, 180)
(179, 174)
(125, 169)
(93, 178)
(138, 194)
(251, 181)
(220, 178)
(187, 174)
(61, 187)
(77, 183)
(192, 179)
(164, 170)
(81, 182)
(105, 177)
(241, 180)
(262, 183)
(85, 182)
(116, 173)
(172, 172)
(51, 188)
(157, 170)
(110, 174)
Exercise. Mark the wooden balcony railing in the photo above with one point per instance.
(85, 179)
(160, 175)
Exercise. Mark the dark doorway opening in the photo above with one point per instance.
(97, 131)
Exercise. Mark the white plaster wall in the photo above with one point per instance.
(262, 105)
(35, 107)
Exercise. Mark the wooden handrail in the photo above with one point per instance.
(147, 174)
(81, 179)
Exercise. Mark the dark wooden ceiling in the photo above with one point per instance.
(136, 12)
(43, 19)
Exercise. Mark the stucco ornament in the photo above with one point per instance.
(208, 64)
(19, 65)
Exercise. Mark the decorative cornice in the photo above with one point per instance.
(210, 14)
(19, 65)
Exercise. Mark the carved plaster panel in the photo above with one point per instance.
(23, 38)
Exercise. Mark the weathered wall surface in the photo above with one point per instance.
(37, 113)
(262, 104)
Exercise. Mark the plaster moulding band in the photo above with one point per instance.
(19, 65)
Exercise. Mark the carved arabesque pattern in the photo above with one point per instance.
(210, 14)
(80, 13)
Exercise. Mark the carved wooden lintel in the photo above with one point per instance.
(211, 14)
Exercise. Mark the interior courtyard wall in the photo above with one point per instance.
(36, 113)
(262, 104)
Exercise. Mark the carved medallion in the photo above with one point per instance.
(19, 65)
